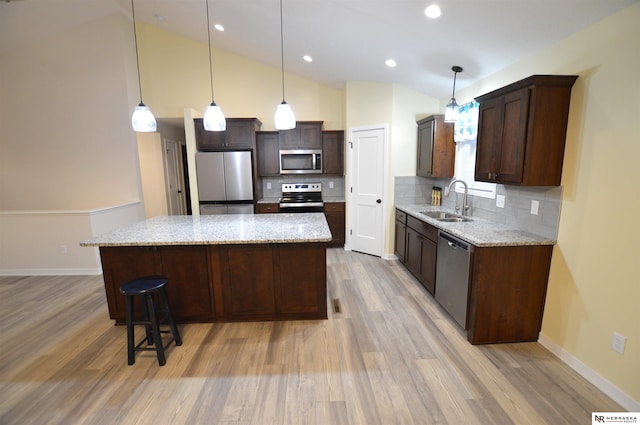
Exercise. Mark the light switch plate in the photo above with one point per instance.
(534, 207)
(500, 201)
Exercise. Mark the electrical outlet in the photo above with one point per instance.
(500, 201)
(268, 185)
(534, 207)
(63, 249)
(330, 185)
(618, 342)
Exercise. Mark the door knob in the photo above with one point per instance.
(378, 201)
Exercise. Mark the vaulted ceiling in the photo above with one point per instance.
(347, 39)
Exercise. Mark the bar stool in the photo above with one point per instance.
(146, 287)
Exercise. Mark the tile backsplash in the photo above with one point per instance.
(516, 211)
(275, 191)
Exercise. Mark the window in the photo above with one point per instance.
(465, 136)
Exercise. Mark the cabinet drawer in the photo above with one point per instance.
(267, 208)
(334, 206)
(423, 228)
(401, 216)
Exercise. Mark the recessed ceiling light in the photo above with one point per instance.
(433, 11)
(307, 58)
(219, 27)
(390, 63)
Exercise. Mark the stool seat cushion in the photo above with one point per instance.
(143, 285)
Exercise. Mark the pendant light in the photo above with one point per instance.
(213, 117)
(451, 111)
(284, 119)
(142, 119)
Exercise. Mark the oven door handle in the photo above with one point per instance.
(300, 204)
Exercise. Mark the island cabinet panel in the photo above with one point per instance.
(507, 293)
(300, 270)
(247, 281)
(185, 266)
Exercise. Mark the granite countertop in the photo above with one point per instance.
(219, 230)
(478, 232)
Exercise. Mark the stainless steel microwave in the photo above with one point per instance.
(301, 161)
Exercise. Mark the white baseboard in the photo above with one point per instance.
(50, 272)
(590, 375)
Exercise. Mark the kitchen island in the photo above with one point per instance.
(223, 267)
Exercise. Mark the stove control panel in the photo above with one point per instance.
(301, 187)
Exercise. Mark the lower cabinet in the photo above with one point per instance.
(420, 253)
(507, 285)
(185, 267)
(335, 215)
(225, 282)
(401, 235)
(267, 208)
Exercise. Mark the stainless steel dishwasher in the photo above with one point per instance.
(453, 268)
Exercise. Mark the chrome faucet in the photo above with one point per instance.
(465, 205)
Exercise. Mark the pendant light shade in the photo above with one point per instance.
(284, 118)
(213, 119)
(451, 110)
(142, 119)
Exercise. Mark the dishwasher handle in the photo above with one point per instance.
(454, 242)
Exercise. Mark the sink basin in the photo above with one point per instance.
(445, 216)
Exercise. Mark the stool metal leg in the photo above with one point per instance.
(172, 323)
(155, 328)
(131, 354)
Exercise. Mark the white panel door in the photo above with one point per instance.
(367, 187)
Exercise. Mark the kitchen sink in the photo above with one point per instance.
(445, 216)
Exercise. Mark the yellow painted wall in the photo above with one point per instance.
(175, 75)
(594, 286)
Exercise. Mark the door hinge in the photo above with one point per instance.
(351, 189)
(350, 231)
(350, 144)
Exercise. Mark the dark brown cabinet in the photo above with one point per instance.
(267, 208)
(209, 283)
(185, 266)
(333, 152)
(401, 235)
(306, 135)
(507, 293)
(436, 148)
(269, 281)
(522, 130)
(421, 250)
(240, 134)
(335, 214)
(268, 153)
(507, 285)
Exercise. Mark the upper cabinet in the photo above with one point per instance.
(436, 148)
(306, 135)
(268, 153)
(240, 134)
(333, 152)
(522, 130)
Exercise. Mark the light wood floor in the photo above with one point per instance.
(391, 356)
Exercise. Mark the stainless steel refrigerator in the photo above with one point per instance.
(225, 183)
